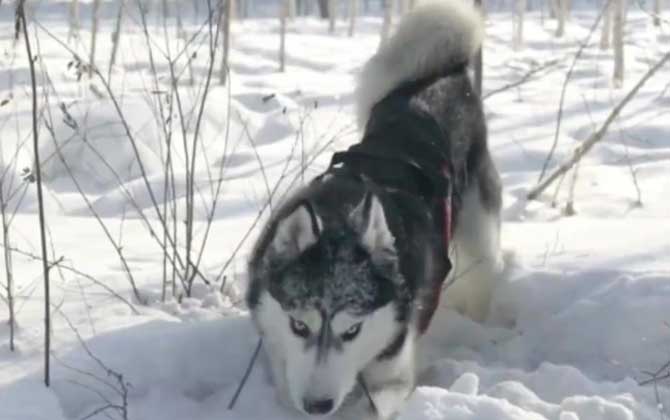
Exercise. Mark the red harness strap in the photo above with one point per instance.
(447, 213)
(429, 311)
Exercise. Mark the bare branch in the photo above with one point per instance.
(525, 78)
(559, 118)
(584, 148)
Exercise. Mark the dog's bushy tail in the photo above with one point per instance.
(432, 38)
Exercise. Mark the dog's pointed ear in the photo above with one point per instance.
(369, 220)
(297, 231)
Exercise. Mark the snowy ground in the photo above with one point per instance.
(580, 315)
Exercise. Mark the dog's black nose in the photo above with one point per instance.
(317, 406)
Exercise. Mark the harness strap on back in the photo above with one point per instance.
(421, 167)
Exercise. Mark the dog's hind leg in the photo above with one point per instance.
(475, 251)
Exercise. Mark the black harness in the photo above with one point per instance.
(401, 150)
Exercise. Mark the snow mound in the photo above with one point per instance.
(430, 403)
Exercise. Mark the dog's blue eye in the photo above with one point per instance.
(299, 328)
(352, 332)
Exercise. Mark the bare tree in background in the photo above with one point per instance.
(292, 9)
(94, 35)
(234, 8)
(479, 58)
(332, 15)
(7, 250)
(618, 20)
(561, 11)
(226, 16)
(518, 24)
(657, 12)
(607, 26)
(552, 8)
(74, 21)
(116, 37)
(283, 12)
(324, 8)
(353, 12)
(388, 20)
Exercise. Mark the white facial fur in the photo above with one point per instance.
(330, 377)
(311, 318)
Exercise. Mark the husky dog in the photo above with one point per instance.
(348, 272)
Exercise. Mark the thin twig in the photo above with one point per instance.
(122, 390)
(73, 270)
(250, 366)
(525, 78)
(361, 382)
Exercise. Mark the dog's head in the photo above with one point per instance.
(332, 300)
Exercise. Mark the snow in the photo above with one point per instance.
(578, 318)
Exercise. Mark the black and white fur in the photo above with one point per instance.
(350, 266)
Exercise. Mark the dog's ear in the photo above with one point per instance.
(369, 220)
(297, 231)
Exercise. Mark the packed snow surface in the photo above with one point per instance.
(579, 318)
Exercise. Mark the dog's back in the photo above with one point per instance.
(420, 75)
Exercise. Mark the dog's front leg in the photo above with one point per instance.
(278, 373)
(389, 397)
(390, 381)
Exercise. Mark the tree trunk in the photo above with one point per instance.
(518, 24)
(74, 21)
(560, 16)
(283, 12)
(8, 268)
(657, 12)
(165, 8)
(181, 34)
(291, 9)
(234, 9)
(479, 59)
(196, 10)
(323, 9)
(225, 27)
(353, 12)
(94, 35)
(332, 15)
(618, 21)
(388, 20)
(607, 27)
(404, 6)
(116, 38)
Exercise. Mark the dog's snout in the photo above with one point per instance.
(318, 407)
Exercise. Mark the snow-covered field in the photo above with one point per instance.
(582, 312)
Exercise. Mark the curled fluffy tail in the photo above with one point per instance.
(433, 37)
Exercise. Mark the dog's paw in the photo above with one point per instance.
(357, 410)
